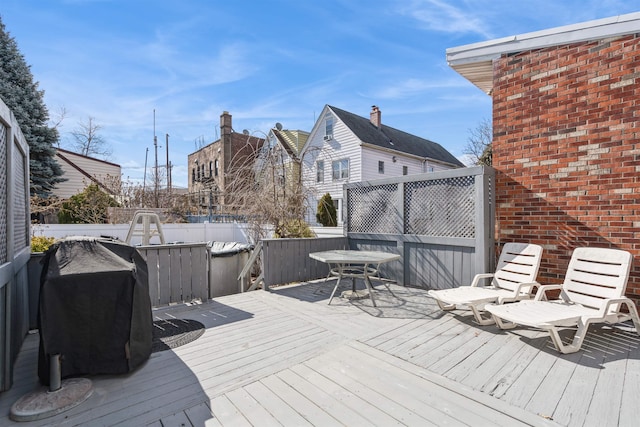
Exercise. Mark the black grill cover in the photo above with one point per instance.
(95, 309)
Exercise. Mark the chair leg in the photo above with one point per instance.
(503, 324)
(633, 313)
(445, 307)
(576, 343)
(478, 315)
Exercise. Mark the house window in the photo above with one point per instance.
(405, 170)
(198, 173)
(210, 169)
(320, 171)
(216, 168)
(328, 125)
(340, 169)
(380, 166)
(193, 175)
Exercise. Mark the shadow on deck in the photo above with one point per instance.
(286, 357)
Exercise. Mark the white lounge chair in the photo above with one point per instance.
(513, 280)
(592, 292)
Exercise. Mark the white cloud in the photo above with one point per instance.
(440, 16)
(413, 87)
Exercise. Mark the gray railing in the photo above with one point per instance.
(441, 224)
(287, 260)
(177, 273)
(14, 242)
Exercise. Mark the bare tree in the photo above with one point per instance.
(89, 142)
(267, 187)
(479, 143)
(57, 118)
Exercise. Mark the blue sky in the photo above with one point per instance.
(265, 61)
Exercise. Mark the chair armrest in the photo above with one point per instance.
(533, 285)
(542, 289)
(604, 310)
(478, 277)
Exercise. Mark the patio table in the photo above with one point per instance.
(354, 264)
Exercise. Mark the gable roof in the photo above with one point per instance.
(393, 139)
(69, 161)
(475, 61)
(292, 140)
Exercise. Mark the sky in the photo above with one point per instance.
(142, 67)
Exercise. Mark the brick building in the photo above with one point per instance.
(566, 147)
(211, 167)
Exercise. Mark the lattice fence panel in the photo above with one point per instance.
(373, 209)
(4, 226)
(441, 207)
(21, 232)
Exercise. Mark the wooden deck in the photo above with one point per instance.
(287, 358)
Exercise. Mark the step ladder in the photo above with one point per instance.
(146, 219)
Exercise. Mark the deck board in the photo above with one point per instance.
(286, 357)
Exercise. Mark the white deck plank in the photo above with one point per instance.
(265, 351)
(280, 409)
(372, 413)
(227, 413)
(376, 396)
(200, 415)
(177, 420)
(251, 408)
(303, 405)
(337, 409)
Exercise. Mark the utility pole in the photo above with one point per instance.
(144, 180)
(155, 144)
(168, 166)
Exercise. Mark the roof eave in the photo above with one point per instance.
(475, 61)
(405, 154)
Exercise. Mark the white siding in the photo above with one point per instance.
(344, 145)
(76, 181)
(371, 157)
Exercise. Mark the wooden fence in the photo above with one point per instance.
(14, 242)
(177, 273)
(441, 224)
(287, 260)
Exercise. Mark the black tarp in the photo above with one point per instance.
(94, 308)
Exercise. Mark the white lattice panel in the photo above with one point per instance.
(3, 194)
(20, 221)
(443, 207)
(374, 209)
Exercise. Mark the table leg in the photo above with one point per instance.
(339, 267)
(367, 283)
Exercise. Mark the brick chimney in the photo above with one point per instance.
(225, 123)
(225, 139)
(376, 116)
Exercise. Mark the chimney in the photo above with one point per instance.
(225, 140)
(225, 123)
(376, 116)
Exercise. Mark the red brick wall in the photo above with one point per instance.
(567, 150)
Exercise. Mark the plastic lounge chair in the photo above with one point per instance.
(592, 292)
(513, 280)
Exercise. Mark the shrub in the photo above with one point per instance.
(327, 215)
(293, 228)
(88, 207)
(41, 243)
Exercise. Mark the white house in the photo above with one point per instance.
(343, 147)
(81, 171)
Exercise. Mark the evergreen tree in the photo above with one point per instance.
(21, 94)
(326, 213)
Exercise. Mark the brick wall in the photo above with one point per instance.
(567, 150)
